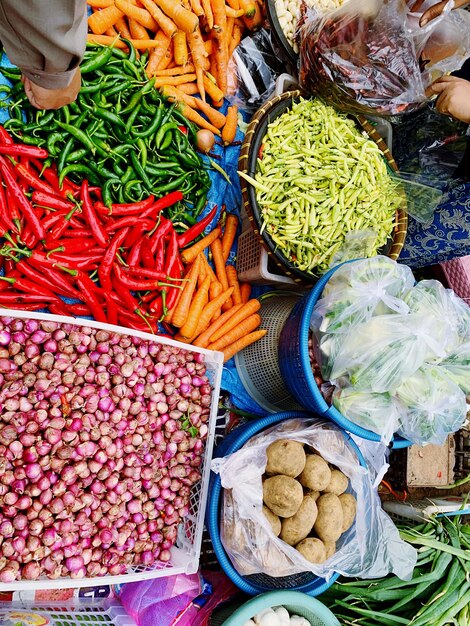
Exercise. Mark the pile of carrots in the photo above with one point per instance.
(189, 41)
(214, 310)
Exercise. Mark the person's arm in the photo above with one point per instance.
(453, 97)
(435, 10)
(46, 39)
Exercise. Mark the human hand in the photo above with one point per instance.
(453, 97)
(52, 98)
(435, 10)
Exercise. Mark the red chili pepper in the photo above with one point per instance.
(70, 246)
(134, 235)
(131, 220)
(33, 152)
(134, 254)
(160, 254)
(57, 280)
(137, 285)
(64, 289)
(23, 284)
(4, 209)
(50, 174)
(111, 309)
(133, 208)
(146, 271)
(77, 233)
(23, 203)
(80, 309)
(58, 307)
(165, 228)
(5, 138)
(146, 255)
(130, 303)
(81, 262)
(12, 207)
(163, 203)
(21, 298)
(88, 294)
(104, 271)
(59, 229)
(157, 306)
(91, 218)
(197, 229)
(49, 221)
(32, 179)
(51, 201)
(183, 129)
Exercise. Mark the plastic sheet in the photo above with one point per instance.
(371, 547)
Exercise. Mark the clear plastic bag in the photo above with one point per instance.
(370, 548)
(379, 355)
(364, 57)
(434, 406)
(457, 367)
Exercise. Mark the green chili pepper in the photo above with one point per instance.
(131, 119)
(79, 135)
(109, 116)
(98, 60)
(51, 142)
(152, 129)
(139, 170)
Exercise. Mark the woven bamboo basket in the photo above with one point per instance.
(247, 163)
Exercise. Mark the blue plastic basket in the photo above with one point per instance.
(255, 584)
(296, 371)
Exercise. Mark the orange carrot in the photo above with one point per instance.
(233, 282)
(248, 6)
(162, 45)
(229, 30)
(252, 306)
(245, 341)
(245, 291)
(230, 129)
(209, 270)
(141, 16)
(193, 116)
(199, 57)
(188, 255)
(248, 325)
(236, 37)
(112, 32)
(167, 59)
(229, 12)
(104, 40)
(177, 71)
(219, 263)
(100, 4)
(230, 231)
(208, 47)
(164, 22)
(162, 81)
(122, 28)
(100, 21)
(181, 48)
(189, 88)
(215, 117)
(185, 20)
(202, 340)
(137, 30)
(234, 4)
(199, 301)
(221, 48)
(197, 8)
(254, 21)
(208, 13)
(214, 291)
(182, 308)
(214, 92)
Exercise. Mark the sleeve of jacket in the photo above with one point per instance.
(45, 38)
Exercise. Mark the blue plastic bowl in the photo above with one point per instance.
(255, 584)
(294, 364)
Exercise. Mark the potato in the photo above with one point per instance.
(312, 549)
(329, 523)
(283, 495)
(285, 457)
(338, 484)
(297, 527)
(330, 547)
(273, 520)
(316, 474)
(348, 504)
(313, 494)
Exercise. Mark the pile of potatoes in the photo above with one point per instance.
(305, 500)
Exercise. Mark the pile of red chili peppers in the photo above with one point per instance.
(121, 264)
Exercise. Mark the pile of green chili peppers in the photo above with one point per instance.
(120, 134)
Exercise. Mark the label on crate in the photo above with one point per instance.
(23, 618)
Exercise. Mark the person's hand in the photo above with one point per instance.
(435, 10)
(52, 98)
(453, 97)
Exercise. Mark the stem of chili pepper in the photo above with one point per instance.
(59, 229)
(88, 295)
(196, 230)
(57, 280)
(23, 202)
(104, 271)
(91, 218)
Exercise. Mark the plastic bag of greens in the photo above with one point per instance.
(449, 313)
(434, 406)
(379, 412)
(457, 367)
(379, 355)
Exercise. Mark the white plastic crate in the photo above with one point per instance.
(185, 554)
(68, 613)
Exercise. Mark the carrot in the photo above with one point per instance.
(185, 20)
(181, 48)
(195, 310)
(157, 55)
(122, 28)
(230, 129)
(137, 30)
(100, 21)
(104, 40)
(199, 56)
(191, 115)
(214, 92)
(245, 290)
(167, 58)
(229, 12)
(208, 13)
(182, 308)
(202, 341)
(229, 30)
(188, 255)
(112, 32)
(234, 4)
(177, 71)
(230, 231)
(197, 8)
(248, 6)
(220, 35)
(214, 291)
(161, 81)
(208, 47)
(236, 37)
(189, 88)
(252, 306)
(219, 263)
(215, 117)
(233, 282)
(100, 4)
(245, 341)
(247, 326)
(209, 270)
(164, 22)
(141, 16)
(254, 21)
